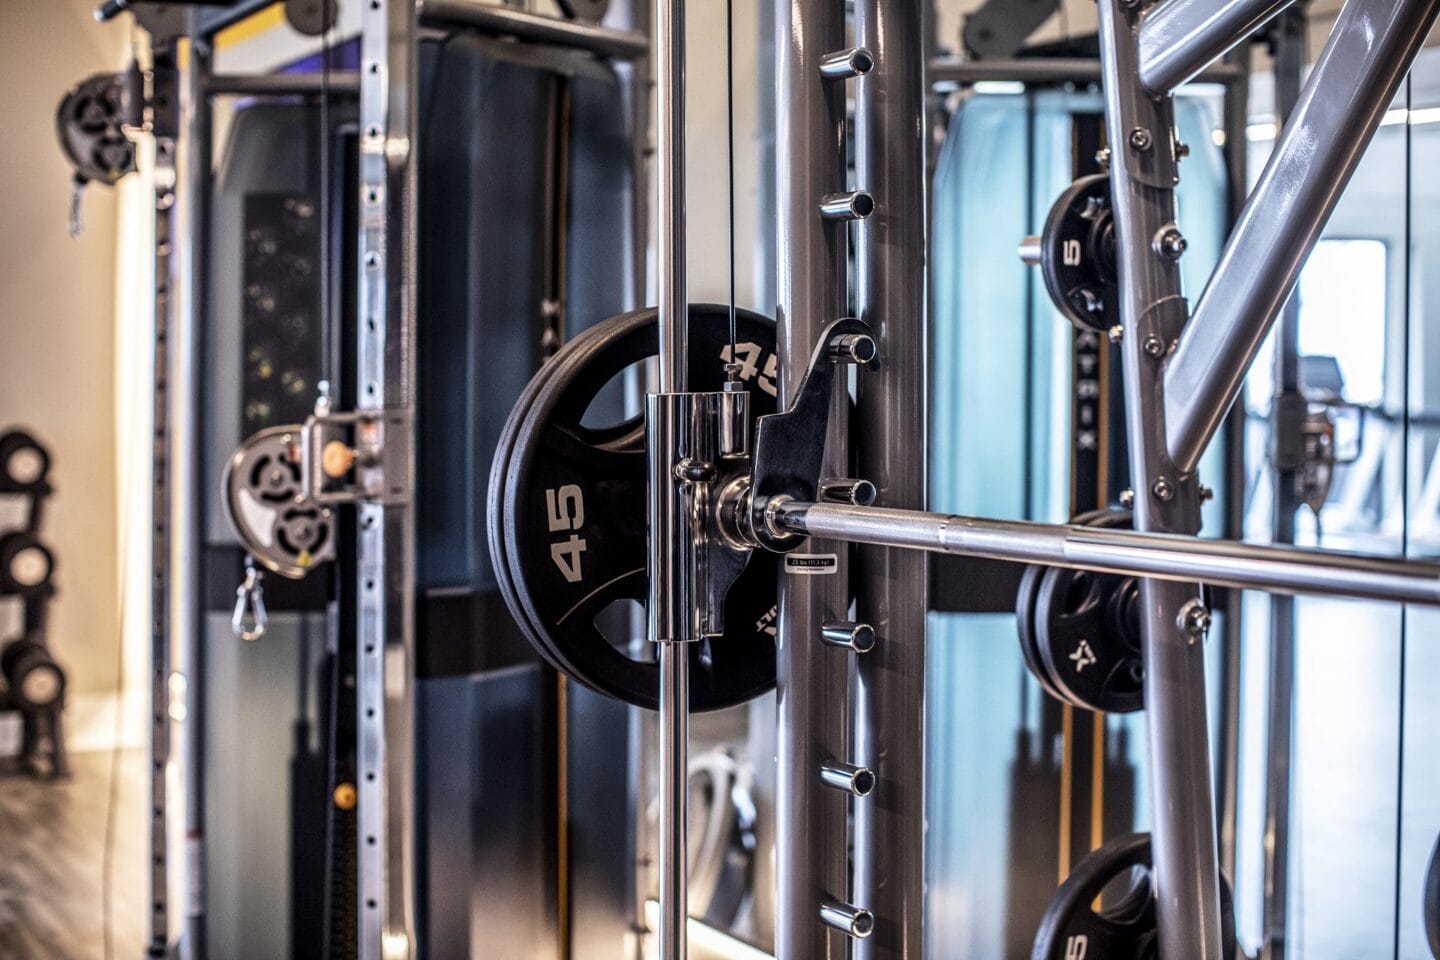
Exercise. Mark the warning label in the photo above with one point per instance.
(811, 564)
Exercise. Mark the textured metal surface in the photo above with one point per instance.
(1349, 89)
(890, 436)
(810, 163)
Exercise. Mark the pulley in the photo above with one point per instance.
(24, 464)
(567, 514)
(1076, 254)
(34, 679)
(1080, 631)
(26, 565)
(1123, 926)
(91, 124)
(279, 527)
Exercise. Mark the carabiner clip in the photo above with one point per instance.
(250, 598)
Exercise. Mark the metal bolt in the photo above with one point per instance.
(1182, 149)
(694, 471)
(1206, 494)
(1116, 333)
(1193, 619)
(1162, 489)
(1153, 346)
(1140, 139)
(1127, 498)
(1170, 243)
(1102, 157)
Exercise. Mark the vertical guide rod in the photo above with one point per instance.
(892, 583)
(670, 574)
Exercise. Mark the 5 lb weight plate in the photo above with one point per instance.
(567, 514)
(1124, 926)
(1077, 254)
(1087, 632)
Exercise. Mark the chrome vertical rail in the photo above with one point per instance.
(385, 377)
(891, 584)
(672, 605)
(1143, 173)
(811, 679)
(166, 870)
(188, 244)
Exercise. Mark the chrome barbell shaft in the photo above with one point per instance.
(1160, 556)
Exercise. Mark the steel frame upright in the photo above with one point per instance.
(811, 856)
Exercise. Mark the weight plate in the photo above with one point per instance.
(571, 515)
(23, 463)
(1432, 901)
(284, 532)
(1087, 630)
(26, 565)
(1077, 254)
(1025, 626)
(1123, 928)
(591, 11)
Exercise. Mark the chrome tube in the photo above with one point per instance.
(1160, 556)
(674, 553)
(184, 348)
(891, 585)
(1350, 87)
(509, 22)
(342, 83)
(950, 71)
(1179, 38)
(811, 861)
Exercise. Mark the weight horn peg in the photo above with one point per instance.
(857, 493)
(855, 637)
(855, 921)
(855, 205)
(844, 64)
(854, 780)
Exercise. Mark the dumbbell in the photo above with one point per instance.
(26, 565)
(35, 680)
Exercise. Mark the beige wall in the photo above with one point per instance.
(57, 320)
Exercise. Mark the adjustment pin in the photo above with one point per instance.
(857, 637)
(859, 493)
(854, 780)
(855, 921)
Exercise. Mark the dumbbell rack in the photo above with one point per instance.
(31, 683)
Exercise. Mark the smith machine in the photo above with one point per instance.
(732, 507)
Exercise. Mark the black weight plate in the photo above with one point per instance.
(26, 565)
(1077, 254)
(1025, 626)
(1123, 929)
(572, 512)
(1432, 901)
(23, 463)
(1025, 598)
(1086, 629)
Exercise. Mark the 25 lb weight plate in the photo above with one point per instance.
(567, 516)
(1124, 926)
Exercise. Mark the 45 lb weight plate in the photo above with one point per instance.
(567, 514)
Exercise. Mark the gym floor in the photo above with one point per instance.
(52, 852)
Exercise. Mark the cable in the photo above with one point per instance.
(730, 155)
